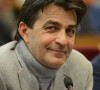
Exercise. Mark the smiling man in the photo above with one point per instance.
(42, 55)
(52, 34)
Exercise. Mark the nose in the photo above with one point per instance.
(61, 38)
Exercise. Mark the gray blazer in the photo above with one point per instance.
(14, 74)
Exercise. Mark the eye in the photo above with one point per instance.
(51, 28)
(70, 32)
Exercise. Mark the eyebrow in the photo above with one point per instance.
(58, 24)
(73, 26)
(52, 22)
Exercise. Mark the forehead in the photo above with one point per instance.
(57, 13)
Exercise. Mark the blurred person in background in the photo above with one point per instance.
(4, 4)
(94, 16)
(6, 21)
(91, 22)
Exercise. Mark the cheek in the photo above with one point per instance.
(71, 44)
(46, 40)
(43, 43)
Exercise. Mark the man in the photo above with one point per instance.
(42, 56)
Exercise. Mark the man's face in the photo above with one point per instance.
(52, 37)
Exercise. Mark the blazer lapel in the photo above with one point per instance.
(26, 81)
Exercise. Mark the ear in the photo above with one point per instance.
(23, 31)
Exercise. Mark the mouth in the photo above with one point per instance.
(58, 53)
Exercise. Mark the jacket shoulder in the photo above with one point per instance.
(79, 68)
(78, 57)
(77, 62)
(7, 47)
(7, 55)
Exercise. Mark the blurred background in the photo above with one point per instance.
(87, 35)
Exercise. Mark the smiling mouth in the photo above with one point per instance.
(59, 51)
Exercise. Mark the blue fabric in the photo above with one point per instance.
(91, 21)
(94, 16)
(96, 72)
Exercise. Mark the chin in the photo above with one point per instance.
(57, 64)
